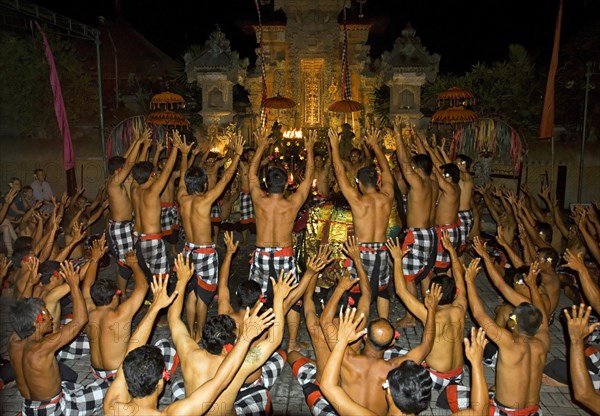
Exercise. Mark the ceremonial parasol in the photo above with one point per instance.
(346, 106)
(454, 115)
(279, 102)
(167, 118)
(455, 97)
(167, 100)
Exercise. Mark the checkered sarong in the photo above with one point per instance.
(120, 238)
(246, 208)
(592, 354)
(500, 410)
(74, 399)
(465, 224)
(206, 264)
(305, 372)
(215, 212)
(442, 260)
(375, 259)
(394, 352)
(78, 348)
(443, 380)
(108, 375)
(268, 262)
(152, 249)
(422, 243)
(169, 218)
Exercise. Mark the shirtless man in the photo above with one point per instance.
(322, 177)
(354, 163)
(523, 347)
(275, 216)
(370, 215)
(420, 234)
(211, 165)
(120, 224)
(195, 201)
(110, 319)
(141, 378)
(150, 247)
(445, 361)
(446, 213)
(465, 208)
(363, 374)
(32, 356)
(246, 207)
(169, 216)
(200, 363)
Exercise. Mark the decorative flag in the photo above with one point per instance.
(346, 82)
(59, 106)
(547, 122)
(263, 110)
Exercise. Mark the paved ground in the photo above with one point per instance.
(286, 394)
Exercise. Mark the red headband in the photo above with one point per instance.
(262, 299)
(166, 375)
(350, 301)
(396, 335)
(228, 348)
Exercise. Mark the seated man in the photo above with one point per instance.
(141, 378)
(32, 356)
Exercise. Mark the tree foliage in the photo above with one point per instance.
(26, 101)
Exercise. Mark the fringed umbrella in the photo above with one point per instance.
(454, 115)
(346, 106)
(167, 118)
(455, 97)
(279, 102)
(167, 100)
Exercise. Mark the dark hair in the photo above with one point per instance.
(448, 286)
(367, 176)
(22, 316)
(452, 170)
(423, 162)
(19, 255)
(410, 387)
(248, 293)
(378, 344)
(245, 153)
(529, 318)
(549, 252)
(23, 243)
(114, 163)
(141, 172)
(217, 332)
(356, 150)
(544, 227)
(276, 180)
(27, 188)
(47, 269)
(38, 170)
(13, 179)
(468, 161)
(143, 368)
(524, 270)
(102, 291)
(196, 180)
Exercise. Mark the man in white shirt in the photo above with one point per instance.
(41, 188)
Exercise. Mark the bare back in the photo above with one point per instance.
(447, 207)
(147, 210)
(195, 215)
(447, 352)
(118, 201)
(275, 216)
(109, 335)
(370, 214)
(419, 205)
(466, 191)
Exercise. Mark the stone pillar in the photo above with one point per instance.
(405, 95)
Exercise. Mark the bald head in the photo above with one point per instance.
(380, 333)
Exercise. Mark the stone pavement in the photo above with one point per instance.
(286, 394)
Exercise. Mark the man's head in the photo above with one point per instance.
(319, 161)
(544, 230)
(15, 183)
(354, 156)
(450, 172)
(423, 163)
(211, 159)
(448, 286)
(217, 332)
(248, 154)
(115, 163)
(248, 293)
(143, 369)
(50, 273)
(29, 314)
(526, 318)
(463, 162)
(276, 180)
(142, 171)
(27, 192)
(39, 174)
(367, 177)
(103, 292)
(410, 387)
(380, 334)
(196, 180)
(548, 258)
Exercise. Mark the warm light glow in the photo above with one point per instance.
(314, 184)
(292, 134)
(276, 149)
(291, 179)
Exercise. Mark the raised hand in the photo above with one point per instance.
(474, 348)
(432, 297)
(10, 195)
(525, 190)
(480, 247)
(99, 248)
(185, 146)
(78, 232)
(578, 323)
(373, 137)
(237, 143)
(446, 241)
(5, 264)
(545, 192)
(32, 266)
(316, 263)
(348, 327)
(472, 271)
(159, 285)
(334, 141)
(255, 324)
(500, 236)
(262, 137)
(185, 268)
(131, 258)
(284, 285)
(574, 260)
(69, 273)
(229, 243)
(346, 281)
(534, 270)
(310, 141)
(351, 249)
(177, 141)
(395, 249)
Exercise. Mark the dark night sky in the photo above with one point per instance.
(464, 32)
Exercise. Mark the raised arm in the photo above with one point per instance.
(352, 250)
(161, 181)
(590, 242)
(457, 272)
(350, 193)
(479, 401)
(299, 197)
(98, 250)
(314, 265)
(418, 353)
(590, 290)
(217, 190)
(387, 179)
(224, 301)
(512, 254)
(579, 330)
(132, 304)
(76, 237)
(262, 140)
(8, 199)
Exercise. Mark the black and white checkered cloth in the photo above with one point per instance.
(253, 400)
(394, 352)
(305, 372)
(500, 410)
(421, 242)
(215, 212)
(74, 399)
(246, 208)
(152, 249)
(78, 348)
(442, 380)
(108, 375)
(465, 224)
(206, 264)
(120, 238)
(268, 262)
(169, 219)
(442, 260)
